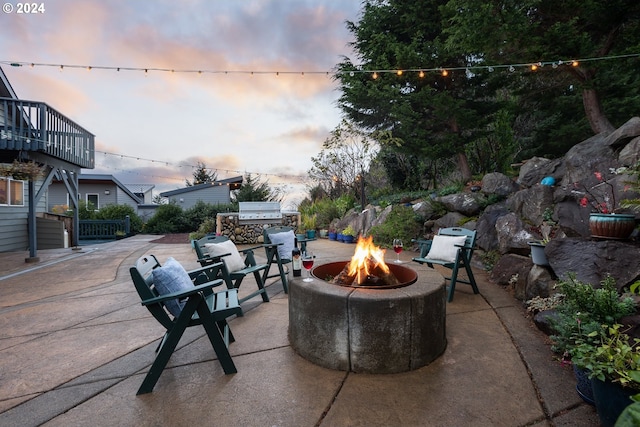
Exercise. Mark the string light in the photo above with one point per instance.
(444, 73)
(420, 71)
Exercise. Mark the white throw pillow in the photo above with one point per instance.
(170, 278)
(233, 261)
(287, 238)
(445, 248)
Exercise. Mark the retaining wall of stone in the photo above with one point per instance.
(243, 232)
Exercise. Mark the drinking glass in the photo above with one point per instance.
(307, 263)
(397, 248)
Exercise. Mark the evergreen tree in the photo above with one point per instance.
(431, 114)
(201, 175)
(254, 190)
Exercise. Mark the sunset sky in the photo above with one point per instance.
(152, 127)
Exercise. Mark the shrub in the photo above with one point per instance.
(402, 223)
(167, 219)
(196, 215)
(120, 212)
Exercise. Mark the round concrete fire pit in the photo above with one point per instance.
(368, 330)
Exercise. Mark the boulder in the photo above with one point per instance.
(450, 219)
(536, 168)
(466, 203)
(530, 203)
(630, 154)
(624, 133)
(512, 270)
(539, 283)
(512, 237)
(487, 238)
(498, 184)
(592, 260)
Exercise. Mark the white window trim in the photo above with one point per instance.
(9, 180)
(86, 199)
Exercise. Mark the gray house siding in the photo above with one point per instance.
(97, 189)
(13, 223)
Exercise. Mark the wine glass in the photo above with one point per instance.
(307, 263)
(397, 248)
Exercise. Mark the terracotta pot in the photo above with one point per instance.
(611, 226)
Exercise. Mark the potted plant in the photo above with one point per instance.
(309, 225)
(333, 235)
(348, 234)
(120, 234)
(606, 222)
(614, 365)
(580, 314)
(538, 255)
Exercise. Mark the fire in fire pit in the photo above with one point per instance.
(366, 269)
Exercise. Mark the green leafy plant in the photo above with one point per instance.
(401, 223)
(610, 354)
(349, 231)
(584, 309)
(309, 221)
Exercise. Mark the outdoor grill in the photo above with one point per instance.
(257, 212)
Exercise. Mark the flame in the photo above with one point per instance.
(367, 256)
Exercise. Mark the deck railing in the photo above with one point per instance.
(34, 126)
(103, 229)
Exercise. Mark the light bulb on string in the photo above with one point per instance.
(421, 74)
(444, 73)
(574, 63)
(534, 67)
(399, 72)
(374, 75)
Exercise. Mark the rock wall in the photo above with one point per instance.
(244, 232)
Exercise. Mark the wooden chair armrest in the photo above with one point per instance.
(196, 272)
(246, 250)
(183, 294)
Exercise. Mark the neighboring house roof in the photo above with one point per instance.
(140, 188)
(234, 184)
(95, 178)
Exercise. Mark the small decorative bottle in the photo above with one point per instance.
(296, 262)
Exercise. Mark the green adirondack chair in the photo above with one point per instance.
(452, 248)
(197, 304)
(234, 268)
(286, 241)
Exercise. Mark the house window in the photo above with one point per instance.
(11, 192)
(93, 199)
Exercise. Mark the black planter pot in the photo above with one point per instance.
(611, 399)
(583, 385)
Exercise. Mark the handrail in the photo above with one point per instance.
(35, 126)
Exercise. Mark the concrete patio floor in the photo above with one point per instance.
(75, 344)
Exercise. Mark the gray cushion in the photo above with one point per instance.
(169, 278)
(445, 248)
(287, 238)
(233, 261)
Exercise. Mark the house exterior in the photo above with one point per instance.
(33, 133)
(98, 189)
(217, 192)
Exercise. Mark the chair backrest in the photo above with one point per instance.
(274, 230)
(459, 231)
(199, 245)
(143, 281)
